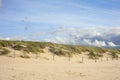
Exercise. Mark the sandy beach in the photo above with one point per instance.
(59, 39)
(59, 69)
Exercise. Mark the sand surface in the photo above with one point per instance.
(59, 69)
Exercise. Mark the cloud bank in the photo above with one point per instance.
(94, 36)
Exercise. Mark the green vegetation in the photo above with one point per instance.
(4, 51)
(60, 51)
(94, 55)
(57, 49)
(114, 55)
(26, 46)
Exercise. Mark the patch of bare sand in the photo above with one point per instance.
(45, 68)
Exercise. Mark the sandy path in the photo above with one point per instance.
(61, 69)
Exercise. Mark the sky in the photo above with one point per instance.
(78, 22)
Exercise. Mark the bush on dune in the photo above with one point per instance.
(94, 55)
(4, 51)
(114, 55)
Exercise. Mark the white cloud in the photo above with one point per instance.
(111, 44)
(95, 43)
(60, 40)
(7, 38)
(99, 43)
(87, 41)
(18, 37)
(57, 40)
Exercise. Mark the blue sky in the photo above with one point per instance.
(37, 19)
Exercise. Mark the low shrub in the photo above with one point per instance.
(94, 55)
(4, 51)
(114, 55)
